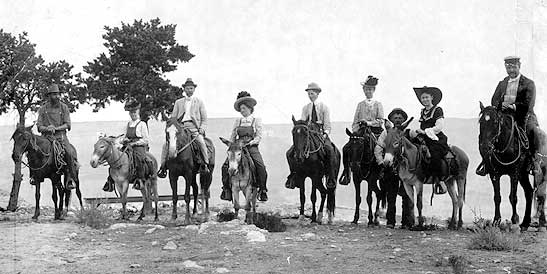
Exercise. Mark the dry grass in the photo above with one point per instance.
(488, 236)
(459, 264)
(93, 217)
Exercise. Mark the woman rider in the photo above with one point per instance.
(249, 130)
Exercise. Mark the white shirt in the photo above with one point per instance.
(141, 131)
(187, 106)
(511, 91)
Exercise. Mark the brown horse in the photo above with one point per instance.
(241, 177)
(409, 161)
(182, 162)
(504, 152)
(107, 150)
(540, 179)
(42, 164)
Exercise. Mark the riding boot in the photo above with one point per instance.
(109, 185)
(226, 189)
(481, 169)
(290, 183)
(162, 172)
(345, 178)
(137, 184)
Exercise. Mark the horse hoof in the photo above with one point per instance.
(35, 217)
(301, 218)
(355, 222)
(319, 217)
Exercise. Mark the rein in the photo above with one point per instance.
(521, 142)
(104, 161)
(37, 148)
(307, 148)
(371, 140)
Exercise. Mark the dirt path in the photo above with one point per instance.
(66, 247)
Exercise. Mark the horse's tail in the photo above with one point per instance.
(331, 199)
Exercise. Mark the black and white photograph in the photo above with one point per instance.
(273, 136)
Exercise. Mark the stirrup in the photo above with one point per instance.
(481, 170)
(162, 173)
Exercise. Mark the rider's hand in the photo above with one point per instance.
(51, 128)
(420, 131)
(201, 131)
(505, 105)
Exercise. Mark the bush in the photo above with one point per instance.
(459, 264)
(272, 223)
(488, 236)
(93, 217)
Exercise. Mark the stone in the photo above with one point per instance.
(256, 236)
(191, 264)
(170, 246)
(134, 265)
(222, 270)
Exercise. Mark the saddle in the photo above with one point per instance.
(138, 161)
(196, 150)
(252, 167)
(449, 164)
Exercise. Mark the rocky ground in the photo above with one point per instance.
(48, 246)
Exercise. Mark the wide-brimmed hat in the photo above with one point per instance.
(131, 104)
(244, 98)
(313, 86)
(53, 88)
(189, 82)
(435, 92)
(397, 111)
(371, 81)
(511, 60)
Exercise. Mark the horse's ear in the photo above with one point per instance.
(405, 124)
(226, 142)
(349, 133)
(100, 135)
(293, 120)
(481, 105)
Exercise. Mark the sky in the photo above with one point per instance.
(274, 48)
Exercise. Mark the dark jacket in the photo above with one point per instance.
(525, 101)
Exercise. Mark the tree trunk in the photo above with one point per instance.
(17, 175)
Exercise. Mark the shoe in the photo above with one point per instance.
(33, 182)
(162, 173)
(203, 169)
(263, 196)
(345, 180)
(226, 194)
(440, 188)
(137, 184)
(290, 182)
(481, 170)
(108, 187)
(331, 183)
(70, 184)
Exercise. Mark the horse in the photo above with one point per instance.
(107, 150)
(408, 159)
(363, 166)
(307, 154)
(540, 179)
(182, 162)
(504, 152)
(241, 178)
(42, 163)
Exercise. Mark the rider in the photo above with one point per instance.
(316, 112)
(190, 111)
(53, 122)
(137, 138)
(248, 129)
(430, 132)
(397, 116)
(516, 95)
(370, 112)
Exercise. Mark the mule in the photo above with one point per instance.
(363, 166)
(42, 163)
(183, 162)
(309, 157)
(240, 173)
(407, 158)
(505, 152)
(107, 150)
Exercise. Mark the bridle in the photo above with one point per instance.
(103, 158)
(307, 147)
(34, 145)
(187, 132)
(491, 149)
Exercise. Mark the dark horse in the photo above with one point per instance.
(42, 164)
(363, 166)
(182, 162)
(309, 156)
(504, 152)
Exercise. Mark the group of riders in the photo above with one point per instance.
(514, 95)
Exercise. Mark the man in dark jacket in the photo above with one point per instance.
(516, 95)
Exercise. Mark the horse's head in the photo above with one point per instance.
(300, 137)
(235, 152)
(490, 120)
(21, 140)
(358, 143)
(103, 149)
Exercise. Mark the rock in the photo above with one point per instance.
(191, 264)
(396, 249)
(72, 235)
(507, 269)
(192, 227)
(154, 243)
(411, 260)
(134, 265)
(122, 225)
(256, 236)
(70, 214)
(150, 231)
(222, 270)
(228, 254)
(170, 246)
(309, 236)
(497, 261)
(479, 270)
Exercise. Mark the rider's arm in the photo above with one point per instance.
(66, 118)
(379, 121)
(379, 148)
(529, 98)
(356, 119)
(304, 115)
(258, 132)
(326, 120)
(142, 131)
(40, 123)
(176, 110)
(203, 115)
(497, 98)
(234, 130)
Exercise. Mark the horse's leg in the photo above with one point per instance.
(451, 187)
(54, 191)
(462, 181)
(323, 193)
(369, 203)
(154, 186)
(302, 202)
(144, 193)
(529, 196)
(37, 200)
(313, 197)
(379, 197)
(249, 218)
(174, 195)
(513, 198)
(419, 204)
(67, 199)
(123, 193)
(195, 193)
(235, 198)
(497, 198)
(188, 184)
(541, 211)
(409, 189)
(357, 184)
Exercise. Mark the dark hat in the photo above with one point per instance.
(244, 98)
(512, 60)
(189, 82)
(313, 86)
(53, 88)
(435, 92)
(397, 111)
(371, 81)
(131, 104)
